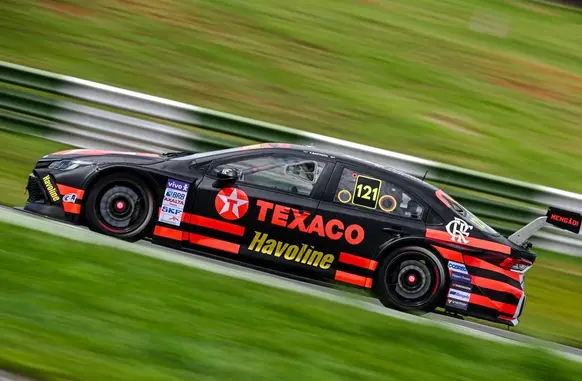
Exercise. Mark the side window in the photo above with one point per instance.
(368, 192)
(288, 173)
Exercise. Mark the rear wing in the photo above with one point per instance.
(560, 218)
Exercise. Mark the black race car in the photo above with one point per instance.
(300, 211)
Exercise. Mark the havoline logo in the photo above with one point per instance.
(305, 254)
(52, 191)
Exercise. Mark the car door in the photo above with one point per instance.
(373, 207)
(260, 218)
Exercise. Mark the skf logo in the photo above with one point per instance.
(50, 188)
(294, 219)
(305, 255)
(167, 209)
(459, 229)
(231, 203)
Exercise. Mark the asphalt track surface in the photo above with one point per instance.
(39, 223)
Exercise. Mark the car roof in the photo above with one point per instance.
(316, 152)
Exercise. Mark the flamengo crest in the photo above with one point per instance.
(459, 229)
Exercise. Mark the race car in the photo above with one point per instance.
(304, 212)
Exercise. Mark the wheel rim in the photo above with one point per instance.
(122, 207)
(412, 279)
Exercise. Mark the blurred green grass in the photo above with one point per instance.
(18, 154)
(80, 312)
(492, 85)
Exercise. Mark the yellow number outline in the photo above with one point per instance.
(378, 188)
(387, 210)
(344, 191)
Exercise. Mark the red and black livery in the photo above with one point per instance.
(304, 212)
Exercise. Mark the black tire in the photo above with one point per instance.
(411, 279)
(120, 205)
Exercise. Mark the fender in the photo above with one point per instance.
(387, 247)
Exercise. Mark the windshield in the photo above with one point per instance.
(464, 213)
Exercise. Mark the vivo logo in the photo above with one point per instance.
(178, 185)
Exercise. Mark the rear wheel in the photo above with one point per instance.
(411, 279)
(120, 205)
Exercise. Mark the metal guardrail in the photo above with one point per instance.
(88, 114)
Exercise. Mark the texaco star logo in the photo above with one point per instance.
(231, 203)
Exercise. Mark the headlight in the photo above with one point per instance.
(66, 165)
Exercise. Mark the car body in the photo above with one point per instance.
(299, 211)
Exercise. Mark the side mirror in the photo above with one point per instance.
(226, 176)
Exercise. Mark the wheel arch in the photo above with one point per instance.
(389, 247)
(393, 247)
(97, 175)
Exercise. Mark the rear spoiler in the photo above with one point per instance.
(560, 218)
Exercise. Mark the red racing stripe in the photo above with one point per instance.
(214, 243)
(479, 263)
(473, 242)
(496, 285)
(354, 260)
(484, 301)
(211, 223)
(65, 189)
(451, 255)
(357, 280)
(69, 207)
(169, 233)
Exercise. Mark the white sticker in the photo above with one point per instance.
(458, 267)
(173, 202)
(459, 295)
(70, 197)
(459, 229)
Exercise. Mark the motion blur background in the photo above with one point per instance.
(491, 85)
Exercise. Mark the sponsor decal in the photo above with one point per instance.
(564, 219)
(173, 203)
(178, 185)
(51, 189)
(70, 197)
(458, 304)
(459, 295)
(290, 218)
(231, 203)
(461, 287)
(366, 191)
(460, 277)
(458, 267)
(459, 230)
(304, 254)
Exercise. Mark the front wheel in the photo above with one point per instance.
(120, 205)
(412, 279)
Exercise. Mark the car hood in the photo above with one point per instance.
(105, 156)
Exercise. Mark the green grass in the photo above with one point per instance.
(492, 85)
(18, 154)
(70, 311)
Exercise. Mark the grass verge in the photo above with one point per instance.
(469, 82)
(74, 311)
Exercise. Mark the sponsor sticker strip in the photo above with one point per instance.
(173, 203)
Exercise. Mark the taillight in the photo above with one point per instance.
(517, 265)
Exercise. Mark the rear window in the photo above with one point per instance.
(464, 213)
